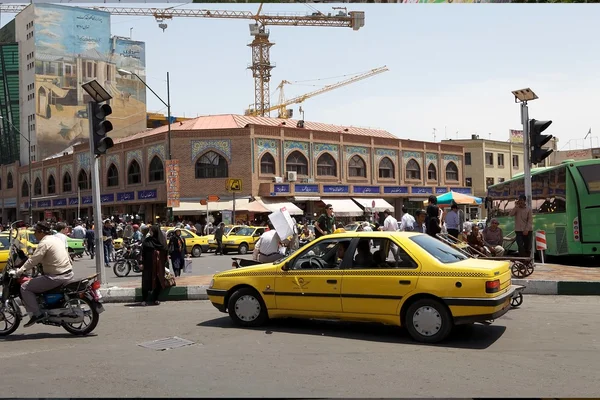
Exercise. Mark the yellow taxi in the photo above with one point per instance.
(27, 237)
(243, 240)
(4, 249)
(194, 244)
(229, 230)
(398, 278)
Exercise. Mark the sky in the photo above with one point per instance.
(452, 66)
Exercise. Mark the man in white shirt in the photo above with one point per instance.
(61, 227)
(267, 248)
(78, 231)
(390, 223)
(407, 223)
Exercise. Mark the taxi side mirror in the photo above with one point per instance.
(286, 267)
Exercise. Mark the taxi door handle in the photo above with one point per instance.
(404, 282)
(332, 281)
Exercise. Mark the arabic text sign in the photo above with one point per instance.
(172, 183)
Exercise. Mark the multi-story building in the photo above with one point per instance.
(53, 64)
(278, 161)
(558, 157)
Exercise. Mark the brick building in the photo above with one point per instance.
(279, 162)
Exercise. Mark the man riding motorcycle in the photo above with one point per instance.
(57, 269)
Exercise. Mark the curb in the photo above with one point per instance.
(552, 288)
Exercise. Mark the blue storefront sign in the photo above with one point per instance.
(147, 194)
(282, 188)
(107, 198)
(59, 202)
(44, 204)
(126, 196)
(73, 201)
(10, 203)
(466, 190)
(365, 189)
(86, 200)
(421, 190)
(441, 190)
(306, 188)
(335, 189)
(395, 189)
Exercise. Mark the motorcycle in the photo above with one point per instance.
(74, 306)
(130, 260)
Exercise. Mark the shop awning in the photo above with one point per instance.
(278, 205)
(380, 205)
(255, 207)
(307, 198)
(195, 208)
(344, 207)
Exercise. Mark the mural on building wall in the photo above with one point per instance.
(74, 46)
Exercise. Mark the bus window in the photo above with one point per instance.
(591, 177)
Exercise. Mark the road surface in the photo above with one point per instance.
(549, 348)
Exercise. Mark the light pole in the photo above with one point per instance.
(28, 165)
(167, 104)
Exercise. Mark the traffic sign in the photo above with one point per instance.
(234, 185)
(213, 197)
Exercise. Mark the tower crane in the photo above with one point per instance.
(261, 61)
(299, 99)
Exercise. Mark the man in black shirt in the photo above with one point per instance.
(325, 225)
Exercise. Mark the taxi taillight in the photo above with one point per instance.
(492, 286)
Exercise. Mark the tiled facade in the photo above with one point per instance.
(239, 148)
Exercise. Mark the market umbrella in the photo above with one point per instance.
(458, 198)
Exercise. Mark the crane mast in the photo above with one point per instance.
(261, 66)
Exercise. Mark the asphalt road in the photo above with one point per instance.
(549, 348)
(206, 264)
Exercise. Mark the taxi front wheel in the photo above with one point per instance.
(246, 308)
(428, 321)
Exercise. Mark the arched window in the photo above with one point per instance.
(9, 181)
(211, 165)
(51, 185)
(267, 164)
(112, 176)
(357, 167)
(25, 189)
(451, 172)
(297, 162)
(82, 180)
(134, 173)
(413, 170)
(431, 172)
(37, 187)
(326, 165)
(386, 168)
(156, 171)
(67, 183)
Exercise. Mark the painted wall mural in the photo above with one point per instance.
(156, 150)
(264, 145)
(73, 46)
(201, 146)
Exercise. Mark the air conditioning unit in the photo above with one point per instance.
(278, 179)
(292, 176)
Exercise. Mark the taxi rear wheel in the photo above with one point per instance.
(246, 308)
(428, 321)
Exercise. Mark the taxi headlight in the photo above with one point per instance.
(212, 283)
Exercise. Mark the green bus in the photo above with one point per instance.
(565, 204)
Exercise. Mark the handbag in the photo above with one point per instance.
(187, 269)
(169, 277)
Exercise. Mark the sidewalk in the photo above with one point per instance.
(547, 279)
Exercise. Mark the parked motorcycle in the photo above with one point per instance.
(130, 260)
(74, 306)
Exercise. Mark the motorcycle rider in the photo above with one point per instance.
(137, 234)
(54, 257)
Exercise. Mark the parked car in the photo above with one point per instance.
(409, 279)
(243, 240)
(194, 244)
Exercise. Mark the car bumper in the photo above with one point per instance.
(217, 298)
(492, 308)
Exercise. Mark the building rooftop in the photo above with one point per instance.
(233, 121)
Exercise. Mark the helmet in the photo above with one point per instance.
(136, 227)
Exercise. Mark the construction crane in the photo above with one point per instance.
(261, 61)
(283, 103)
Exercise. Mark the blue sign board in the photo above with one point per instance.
(306, 188)
(10, 203)
(366, 189)
(86, 200)
(282, 188)
(147, 194)
(466, 190)
(73, 201)
(335, 189)
(421, 190)
(59, 202)
(126, 196)
(395, 189)
(43, 204)
(441, 190)
(107, 198)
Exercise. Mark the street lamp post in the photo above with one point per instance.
(28, 139)
(167, 104)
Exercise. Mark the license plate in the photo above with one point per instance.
(99, 308)
(97, 294)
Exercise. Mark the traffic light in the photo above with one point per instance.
(537, 140)
(100, 127)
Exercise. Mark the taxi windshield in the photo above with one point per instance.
(245, 232)
(31, 238)
(4, 242)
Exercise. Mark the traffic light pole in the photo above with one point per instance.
(527, 165)
(96, 201)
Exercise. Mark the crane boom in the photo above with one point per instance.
(299, 99)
